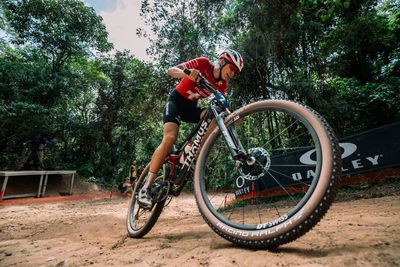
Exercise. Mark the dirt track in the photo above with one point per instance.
(364, 232)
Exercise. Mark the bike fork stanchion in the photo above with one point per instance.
(233, 143)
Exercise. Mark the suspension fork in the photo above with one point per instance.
(230, 136)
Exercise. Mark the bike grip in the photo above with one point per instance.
(186, 71)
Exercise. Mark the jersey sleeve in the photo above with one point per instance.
(197, 63)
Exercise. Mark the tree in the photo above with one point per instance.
(127, 110)
(292, 49)
(360, 47)
(59, 29)
(182, 29)
(37, 72)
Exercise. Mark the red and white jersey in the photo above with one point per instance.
(190, 90)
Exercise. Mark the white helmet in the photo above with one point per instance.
(233, 57)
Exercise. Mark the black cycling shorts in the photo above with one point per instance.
(180, 109)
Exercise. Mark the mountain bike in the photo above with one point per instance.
(268, 194)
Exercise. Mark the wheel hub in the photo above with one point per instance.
(258, 163)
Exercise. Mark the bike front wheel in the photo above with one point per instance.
(141, 220)
(285, 187)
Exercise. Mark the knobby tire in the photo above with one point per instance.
(140, 231)
(310, 209)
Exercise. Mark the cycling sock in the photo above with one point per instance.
(151, 176)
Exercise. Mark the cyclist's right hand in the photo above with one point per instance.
(194, 75)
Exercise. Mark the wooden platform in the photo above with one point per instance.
(44, 176)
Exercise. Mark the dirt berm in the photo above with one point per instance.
(361, 229)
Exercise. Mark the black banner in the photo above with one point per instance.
(364, 152)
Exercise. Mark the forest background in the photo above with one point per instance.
(103, 110)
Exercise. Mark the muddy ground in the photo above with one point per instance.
(361, 229)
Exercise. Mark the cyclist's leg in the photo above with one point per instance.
(170, 133)
(171, 120)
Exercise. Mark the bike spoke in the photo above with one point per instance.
(259, 213)
(281, 186)
(230, 214)
(276, 136)
(288, 177)
(277, 211)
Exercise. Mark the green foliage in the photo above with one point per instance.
(360, 106)
(86, 169)
(340, 57)
(361, 47)
(327, 8)
(60, 29)
(184, 29)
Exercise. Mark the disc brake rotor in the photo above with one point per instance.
(255, 169)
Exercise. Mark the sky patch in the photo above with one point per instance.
(103, 5)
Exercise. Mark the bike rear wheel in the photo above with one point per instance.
(141, 220)
(276, 197)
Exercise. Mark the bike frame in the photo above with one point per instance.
(197, 135)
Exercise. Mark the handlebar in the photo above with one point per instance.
(221, 101)
(202, 82)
